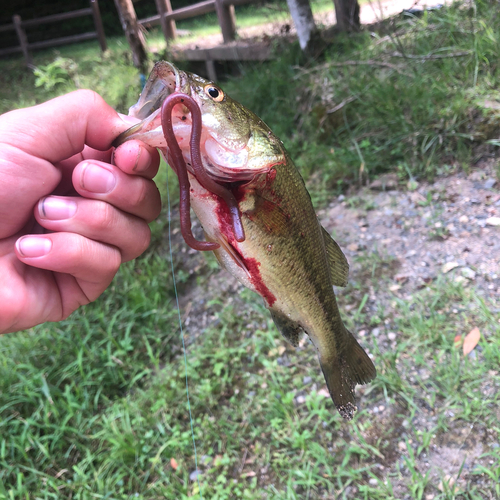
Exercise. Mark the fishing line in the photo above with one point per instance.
(191, 422)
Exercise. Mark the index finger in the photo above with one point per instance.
(61, 127)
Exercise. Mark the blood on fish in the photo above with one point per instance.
(255, 277)
(224, 219)
(271, 175)
(179, 166)
(251, 264)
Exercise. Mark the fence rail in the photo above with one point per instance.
(223, 8)
(183, 13)
(18, 25)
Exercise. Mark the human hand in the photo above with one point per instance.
(68, 217)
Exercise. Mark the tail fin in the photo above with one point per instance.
(352, 366)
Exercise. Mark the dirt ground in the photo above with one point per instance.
(449, 227)
(370, 13)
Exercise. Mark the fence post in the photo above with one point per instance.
(167, 25)
(96, 14)
(227, 20)
(23, 39)
(211, 72)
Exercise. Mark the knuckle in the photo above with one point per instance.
(103, 260)
(157, 205)
(145, 240)
(139, 244)
(115, 260)
(9, 313)
(104, 217)
(141, 194)
(87, 95)
(152, 202)
(66, 313)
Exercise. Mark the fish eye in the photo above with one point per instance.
(214, 92)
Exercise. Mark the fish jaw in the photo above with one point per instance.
(234, 141)
(164, 80)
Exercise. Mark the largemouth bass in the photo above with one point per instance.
(258, 217)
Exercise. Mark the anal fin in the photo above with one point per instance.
(290, 330)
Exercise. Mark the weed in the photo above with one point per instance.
(59, 71)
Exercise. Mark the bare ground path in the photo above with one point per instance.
(370, 12)
(399, 243)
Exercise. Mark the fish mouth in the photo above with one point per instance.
(222, 163)
(164, 80)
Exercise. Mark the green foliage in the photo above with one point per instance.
(110, 74)
(96, 406)
(55, 380)
(410, 97)
(59, 71)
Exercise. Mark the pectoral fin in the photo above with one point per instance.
(288, 328)
(339, 267)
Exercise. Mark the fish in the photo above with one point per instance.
(256, 213)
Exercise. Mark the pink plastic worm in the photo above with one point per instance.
(199, 172)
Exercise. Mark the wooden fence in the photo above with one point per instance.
(167, 17)
(18, 25)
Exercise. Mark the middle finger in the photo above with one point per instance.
(133, 194)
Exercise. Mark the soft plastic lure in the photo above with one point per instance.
(179, 166)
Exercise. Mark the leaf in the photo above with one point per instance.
(449, 266)
(173, 463)
(471, 340)
(218, 367)
(46, 390)
(250, 473)
(457, 341)
(324, 392)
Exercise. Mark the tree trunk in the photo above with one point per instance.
(132, 31)
(304, 23)
(347, 13)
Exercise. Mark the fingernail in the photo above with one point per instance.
(97, 179)
(55, 208)
(33, 246)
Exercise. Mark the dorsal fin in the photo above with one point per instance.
(339, 267)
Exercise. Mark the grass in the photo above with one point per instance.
(406, 99)
(95, 406)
